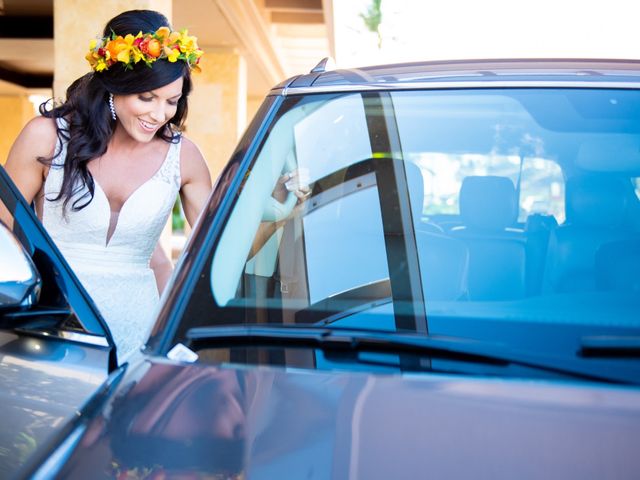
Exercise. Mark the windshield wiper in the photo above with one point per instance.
(343, 340)
(610, 347)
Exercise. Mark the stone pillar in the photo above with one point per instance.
(16, 110)
(218, 105)
(76, 22)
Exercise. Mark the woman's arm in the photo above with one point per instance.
(196, 181)
(194, 191)
(37, 139)
(161, 266)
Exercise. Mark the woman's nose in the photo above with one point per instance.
(158, 113)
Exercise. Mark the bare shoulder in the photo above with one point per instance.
(37, 139)
(40, 129)
(192, 163)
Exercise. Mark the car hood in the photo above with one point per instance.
(201, 421)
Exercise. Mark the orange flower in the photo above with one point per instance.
(118, 49)
(152, 47)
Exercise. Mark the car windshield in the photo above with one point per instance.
(503, 214)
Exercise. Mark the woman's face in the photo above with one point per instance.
(143, 114)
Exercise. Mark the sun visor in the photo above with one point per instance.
(610, 153)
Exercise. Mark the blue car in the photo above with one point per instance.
(404, 271)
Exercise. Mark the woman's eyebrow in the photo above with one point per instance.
(177, 95)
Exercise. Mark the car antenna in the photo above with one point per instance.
(321, 67)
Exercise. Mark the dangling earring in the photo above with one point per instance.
(111, 107)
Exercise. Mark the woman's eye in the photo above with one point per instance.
(145, 99)
(173, 104)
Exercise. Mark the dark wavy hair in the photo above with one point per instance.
(89, 126)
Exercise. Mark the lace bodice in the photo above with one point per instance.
(116, 271)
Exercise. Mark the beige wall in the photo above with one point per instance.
(76, 22)
(218, 105)
(15, 112)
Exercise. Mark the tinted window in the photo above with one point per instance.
(483, 209)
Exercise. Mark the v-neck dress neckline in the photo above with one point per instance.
(99, 191)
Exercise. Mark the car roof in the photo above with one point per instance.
(496, 71)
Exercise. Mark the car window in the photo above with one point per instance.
(453, 209)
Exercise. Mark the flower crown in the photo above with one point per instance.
(149, 47)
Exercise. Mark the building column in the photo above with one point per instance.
(16, 110)
(76, 22)
(218, 105)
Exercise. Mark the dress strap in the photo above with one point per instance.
(170, 170)
(60, 152)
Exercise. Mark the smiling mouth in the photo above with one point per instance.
(148, 127)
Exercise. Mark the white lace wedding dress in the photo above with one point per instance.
(116, 272)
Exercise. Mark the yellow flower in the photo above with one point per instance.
(173, 56)
(92, 44)
(187, 43)
(163, 32)
(137, 55)
(174, 37)
(123, 56)
(101, 65)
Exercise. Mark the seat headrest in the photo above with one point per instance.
(596, 201)
(488, 202)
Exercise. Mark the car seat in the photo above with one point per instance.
(597, 214)
(444, 261)
(497, 250)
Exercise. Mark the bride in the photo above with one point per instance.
(105, 167)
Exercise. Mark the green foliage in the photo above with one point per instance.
(373, 18)
(177, 216)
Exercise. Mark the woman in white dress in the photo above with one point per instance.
(105, 167)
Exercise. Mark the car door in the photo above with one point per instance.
(54, 353)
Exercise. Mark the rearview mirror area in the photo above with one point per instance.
(20, 281)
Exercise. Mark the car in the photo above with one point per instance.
(457, 295)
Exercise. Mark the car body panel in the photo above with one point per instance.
(289, 423)
(45, 382)
(46, 374)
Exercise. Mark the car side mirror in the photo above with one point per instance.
(20, 281)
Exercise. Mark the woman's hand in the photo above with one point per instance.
(281, 203)
(297, 182)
